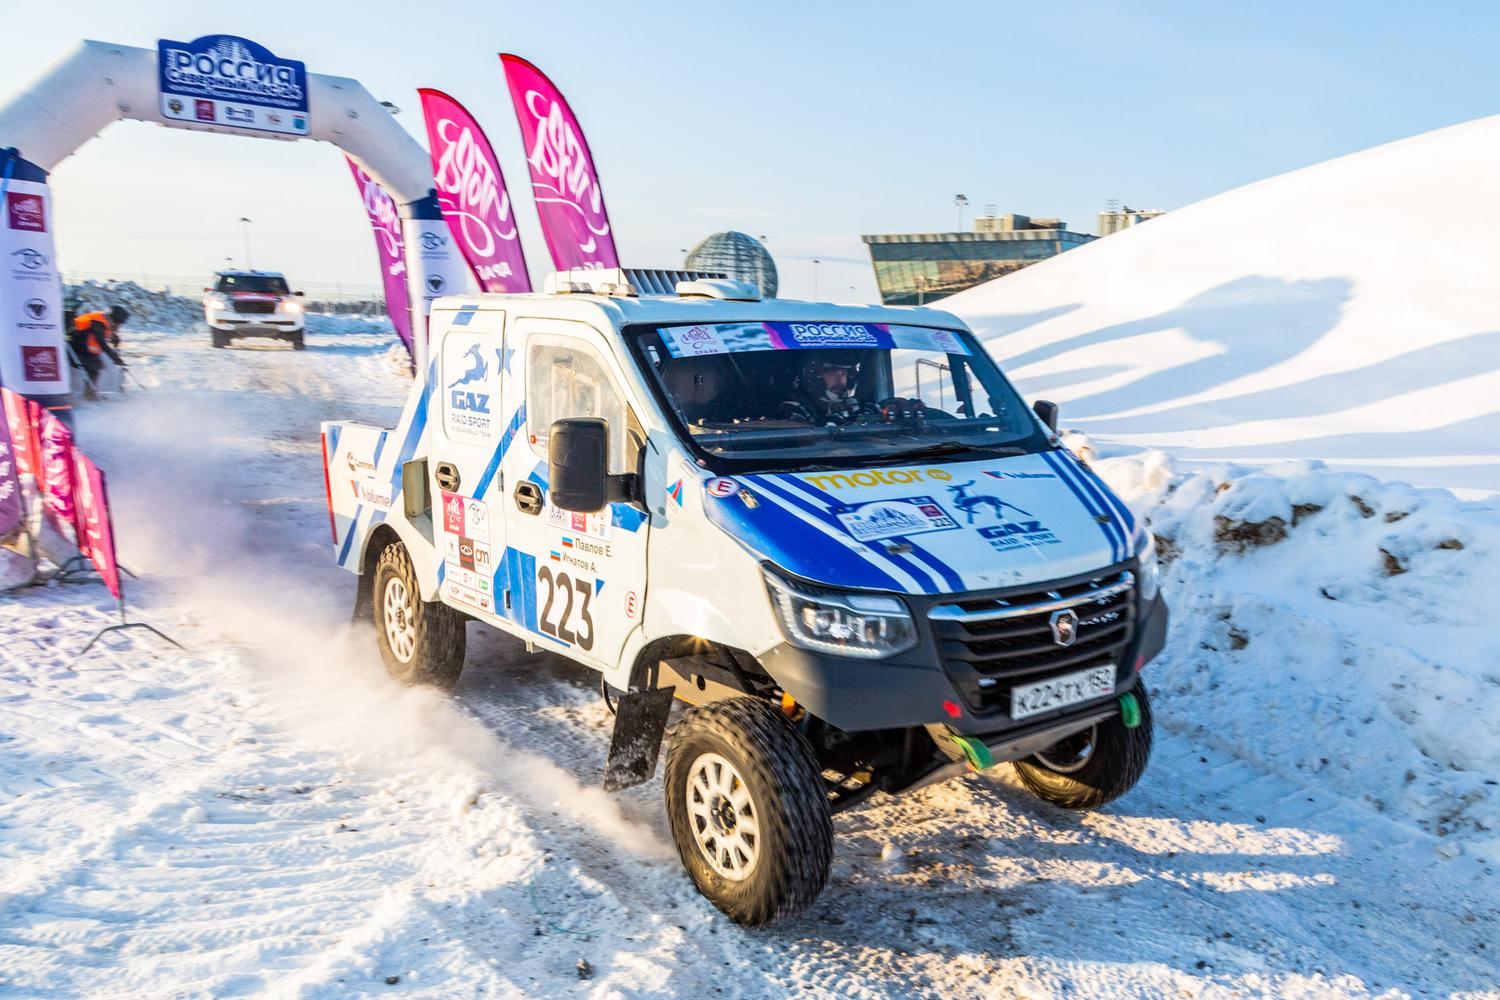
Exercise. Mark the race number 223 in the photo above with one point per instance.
(561, 589)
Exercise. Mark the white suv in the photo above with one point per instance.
(253, 304)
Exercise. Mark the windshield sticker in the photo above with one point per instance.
(728, 338)
(898, 516)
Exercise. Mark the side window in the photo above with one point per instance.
(567, 379)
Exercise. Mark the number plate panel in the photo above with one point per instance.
(1027, 700)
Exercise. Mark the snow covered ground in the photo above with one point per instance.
(1347, 312)
(267, 815)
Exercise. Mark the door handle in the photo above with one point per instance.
(528, 497)
(447, 477)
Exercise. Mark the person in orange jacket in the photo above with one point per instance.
(93, 334)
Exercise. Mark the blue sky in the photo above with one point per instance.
(810, 123)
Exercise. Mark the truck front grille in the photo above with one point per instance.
(256, 306)
(989, 644)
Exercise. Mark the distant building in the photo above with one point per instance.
(918, 268)
(1115, 219)
(737, 255)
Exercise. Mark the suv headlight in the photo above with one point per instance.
(846, 624)
(217, 301)
(291, 307)
(1150, 570)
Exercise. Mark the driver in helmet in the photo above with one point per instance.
(825, 392)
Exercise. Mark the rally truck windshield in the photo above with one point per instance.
(269, 284)
(819, 393)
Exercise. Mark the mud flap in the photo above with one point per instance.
(640, 721)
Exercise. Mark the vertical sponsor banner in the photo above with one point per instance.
(96, 535)
(56, 482)
(471, 192)
(563, 178)
(12, 505)
(32, 356)
(385, 223)
(436, 268)
(21, 423)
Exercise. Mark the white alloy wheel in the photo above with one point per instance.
(722, 817)
(400, 620)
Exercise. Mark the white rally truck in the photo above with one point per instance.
(837, 532)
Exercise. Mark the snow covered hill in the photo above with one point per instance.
(1347, 312)
(267, 815)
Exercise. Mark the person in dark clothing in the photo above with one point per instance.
(826, 392)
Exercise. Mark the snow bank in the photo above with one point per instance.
(1346, 312)
(152, 309)
(1333, 626)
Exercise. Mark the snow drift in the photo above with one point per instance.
(1346, 312)
(1334, 628)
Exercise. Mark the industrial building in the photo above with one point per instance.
(918, 268)
(1112, 220)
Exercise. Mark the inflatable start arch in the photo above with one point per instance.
(217, 83)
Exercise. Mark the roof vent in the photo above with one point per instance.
(719, 288)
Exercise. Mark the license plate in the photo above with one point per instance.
(1032, 699)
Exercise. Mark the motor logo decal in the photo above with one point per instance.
(866, 478)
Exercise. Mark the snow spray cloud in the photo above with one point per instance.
(265, 582)
(471, 192)
(563, 178)
(385, 222)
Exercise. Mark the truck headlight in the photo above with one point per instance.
(846, 624)
(1150, 570)
(217, 302)
(291, 307)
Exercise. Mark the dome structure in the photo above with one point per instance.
(737, 256)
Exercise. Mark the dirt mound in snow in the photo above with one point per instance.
(1304, 316)
(1329, 625)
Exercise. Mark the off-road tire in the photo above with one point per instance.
(297, 343)
(790, 806)
(1113, 765)
(221, 339)
(436, 655)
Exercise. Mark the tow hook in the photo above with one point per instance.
(1130, 710)
(976, 754)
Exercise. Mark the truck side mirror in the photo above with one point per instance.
(1047, 410)
(578, 453)
(299, 293)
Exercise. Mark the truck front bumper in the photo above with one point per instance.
(933, 683)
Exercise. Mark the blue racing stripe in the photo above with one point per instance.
(1093, 488)
(1062, 474)
(953, 579)
(506, 438)
(778, 486)
(944, 570)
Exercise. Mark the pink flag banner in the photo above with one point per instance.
(385, 222)
(96, 535)
(20, 420)
(57, 484)
(12, 505)
(471, 192)
(563, 178)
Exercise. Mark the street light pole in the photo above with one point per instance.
(960, 200)
(249, 266)
(816, 262)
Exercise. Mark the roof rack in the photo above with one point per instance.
(628, 281)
